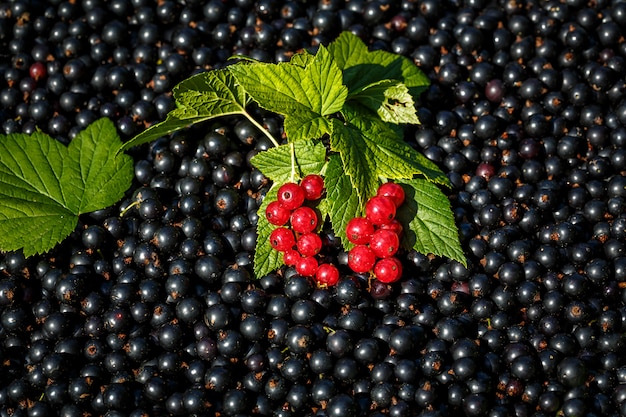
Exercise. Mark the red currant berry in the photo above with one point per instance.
(327, 274)
(395, 226)
(380, 210)
(303, 220)
(291, 257)
(388, 270)
(282, 239)
(309, 244)
(306, 266)
(359, 230)
(384, 243)
(276, 214)
(393, 191)
(361, 259)
(313, 186)
(291, 195)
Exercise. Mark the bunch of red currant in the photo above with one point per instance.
(299, 242)
(377, 235)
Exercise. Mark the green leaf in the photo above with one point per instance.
(303, 94)
(341, 201)
(370, 149)
(302, 125)
(431, 223)
(362, 67)
(275, 163)
(302, 59)
(391, 100)
(324, 209)
(357, 159)
(45, 186)
(201, 97)
(266, 259)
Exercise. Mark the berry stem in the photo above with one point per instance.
(261, 128)
(130, 206)
(293, 161)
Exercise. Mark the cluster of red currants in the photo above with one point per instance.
(299, 242)
(377, 235)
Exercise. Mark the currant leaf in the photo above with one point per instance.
(303, 94)
(45, 186)
(362, 67)
(202, 97)
(357, 158)
(342, 202)
(391, 100)
(370, 149)
(431, 227)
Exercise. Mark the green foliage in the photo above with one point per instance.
(45, 186)
(431, 224)
(362, 68)
(342, 108)
(276, 163)
(199, 98)
(342, 201)
(390, 99)
(371, 148)
(303, 94)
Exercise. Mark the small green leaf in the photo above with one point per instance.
(303, 94)
(324, 207)
(201, 97)
(341, 201)
(431, 224)
(362, 67)
(275, 163)
(266, 259)
(45, 186)
(370, 149)
(391, 100)
(302, 59)
(241, 57)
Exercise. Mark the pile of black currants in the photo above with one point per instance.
(150, 308)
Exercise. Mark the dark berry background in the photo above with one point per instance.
(150, 307)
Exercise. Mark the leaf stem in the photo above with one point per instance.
(293, 162)
(261, 128)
